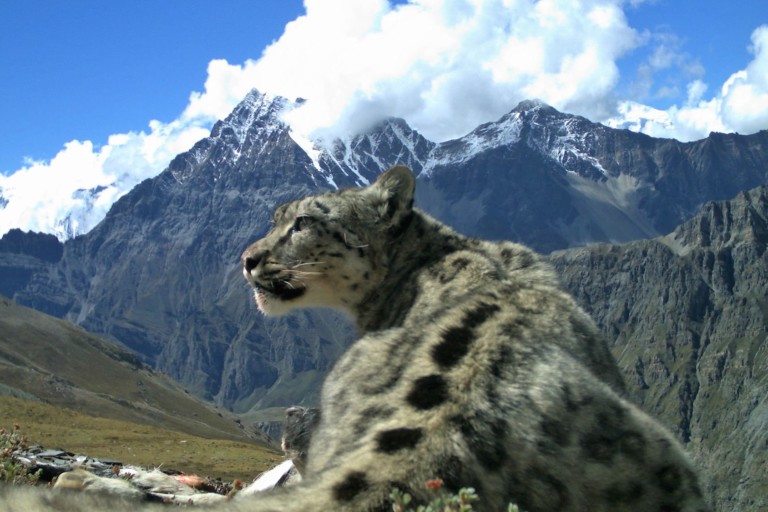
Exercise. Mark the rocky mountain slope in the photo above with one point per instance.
(161, 274)
(553, 180)
(687, 316)
(48, 360)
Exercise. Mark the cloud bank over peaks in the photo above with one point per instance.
(72, 192)
(741, 104)
(445, 66)
(449, 65)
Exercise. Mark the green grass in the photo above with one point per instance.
(136, 444)
(58, 363)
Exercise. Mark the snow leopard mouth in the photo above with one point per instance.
(282, 290)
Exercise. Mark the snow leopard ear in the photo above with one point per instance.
(395, 189)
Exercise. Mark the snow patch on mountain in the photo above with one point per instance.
(339, 156)
(261, 119)
(572, 145)
(506, 131)
(309, 147)
(568, 140)
(399, 133)
(383, 145)
(258, 116)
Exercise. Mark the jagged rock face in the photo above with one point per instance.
(357, 161)
(687, 315)
(44, 247)
(553, 180)
(22, 255)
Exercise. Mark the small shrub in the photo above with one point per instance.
(443, 501)
(11, 469)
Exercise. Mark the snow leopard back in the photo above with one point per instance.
(473, 367)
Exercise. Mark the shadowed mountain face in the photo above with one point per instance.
(22, 255)
(687, 315)
(161, 275)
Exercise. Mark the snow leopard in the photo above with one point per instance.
(473, 368)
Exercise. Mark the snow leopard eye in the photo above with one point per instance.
(301, 222)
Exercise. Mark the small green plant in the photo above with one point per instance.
(11, 470)
(443, 501)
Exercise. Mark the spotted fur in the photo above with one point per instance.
(473, 367)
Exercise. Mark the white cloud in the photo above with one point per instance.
(476, 62)
(667, 63)
(745, 94)
(226, 86)
(740, 105)
(444, 65)
(52, 197)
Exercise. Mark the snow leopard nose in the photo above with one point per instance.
(252, 257)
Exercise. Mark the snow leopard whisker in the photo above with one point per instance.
(363, 246)
(301, 273)
(308, 263)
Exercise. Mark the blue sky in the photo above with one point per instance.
(104, 93)
(85, 69)
(713, 33)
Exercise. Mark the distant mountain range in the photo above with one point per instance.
(160, 274)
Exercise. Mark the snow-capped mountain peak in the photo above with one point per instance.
(505, 131)
(245, 132)
(252, 131)
(568, 140)
(390, 142)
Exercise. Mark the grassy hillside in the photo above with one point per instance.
(56, 362)
(131, 443)
(81, 393)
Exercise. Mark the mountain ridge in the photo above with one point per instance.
(687, 318)
(161, 273)
(575, 144)
(164, 262)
